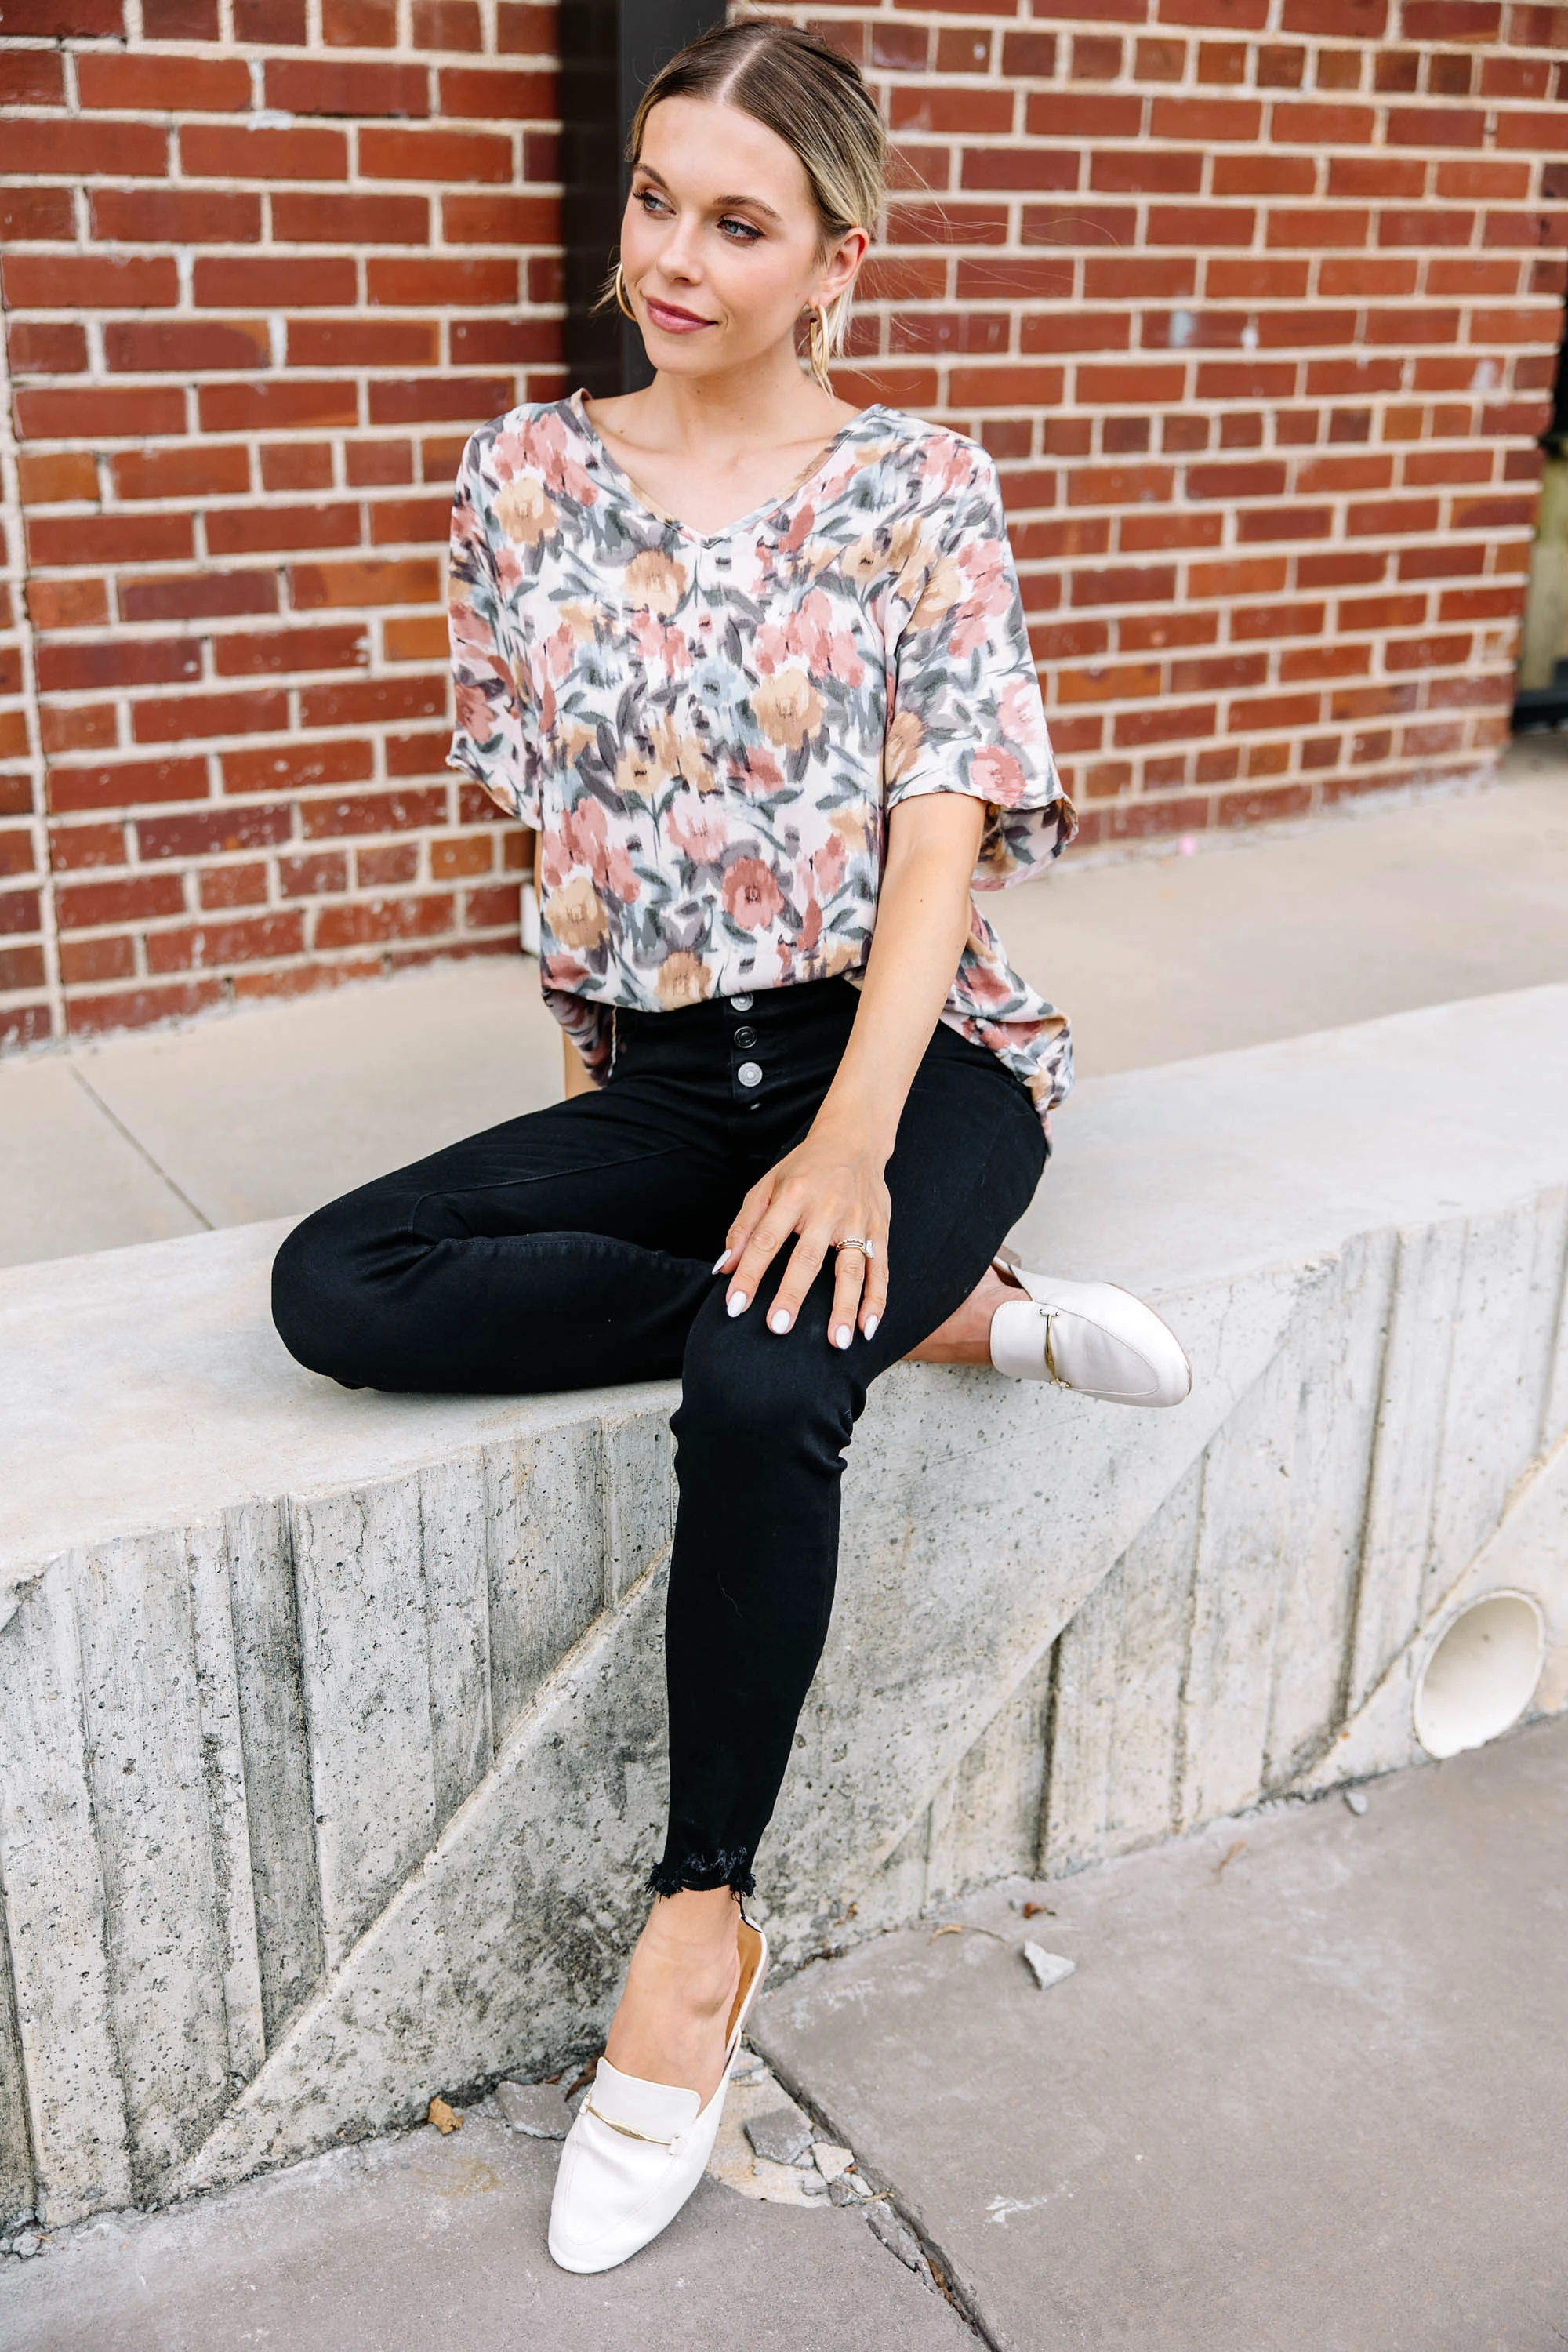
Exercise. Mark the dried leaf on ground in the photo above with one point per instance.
(445, 2118)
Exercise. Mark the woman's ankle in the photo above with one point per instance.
(694, 1920)
(965, 1336)
(670, 2022)
(688, 1953)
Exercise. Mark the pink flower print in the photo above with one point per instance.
(800, 530)
(969, 630)
(647, 630)
(1019, 713)
(586, 831)
(751, 897)
(988, 593)
(475, 716)
(754, 769)
(812, 632)
(986, 984)
(998, 776)
(697, 828)
(811, 928)
(677, 653)
(467, 531)
(828, 865)
(843, 662)
(946, 465)
(771, 648)
(559, 651)
(555, 861)
(618, 876)
(585, 838)
(510, 451)
(987, 575)
(542, 443)
(471, 636)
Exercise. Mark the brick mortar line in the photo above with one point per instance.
(22, 623)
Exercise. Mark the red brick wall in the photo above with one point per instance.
(265, 264)
(1256, 301)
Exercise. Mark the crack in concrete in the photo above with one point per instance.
(137, 1145)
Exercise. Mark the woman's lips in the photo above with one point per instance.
(674, 321)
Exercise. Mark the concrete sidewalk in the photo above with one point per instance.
(1303, 2094)
(267, 1112)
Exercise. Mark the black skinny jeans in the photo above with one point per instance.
(574, 1247)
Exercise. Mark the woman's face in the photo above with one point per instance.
(722, 245)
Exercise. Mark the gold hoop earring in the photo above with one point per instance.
(817, 341)
(622, 305)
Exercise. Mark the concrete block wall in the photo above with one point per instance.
(332, 1727)
(1256, 301)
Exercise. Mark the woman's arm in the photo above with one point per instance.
(832, 1184)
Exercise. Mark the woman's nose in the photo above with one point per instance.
(678, 255)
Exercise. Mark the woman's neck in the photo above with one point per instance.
(723, 418)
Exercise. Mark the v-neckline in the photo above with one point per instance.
(815, 467)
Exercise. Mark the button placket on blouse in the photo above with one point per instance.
(702, 586)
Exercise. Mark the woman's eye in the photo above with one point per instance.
(649, 199)
(748, 233)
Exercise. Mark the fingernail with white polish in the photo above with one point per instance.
(779, 1322)
(738, 1302)
(721, 1261)
(871, 1323)
(842, 1337)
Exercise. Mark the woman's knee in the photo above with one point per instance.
(324, 1302)
(748, 1393)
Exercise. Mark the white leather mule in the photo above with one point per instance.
(636, 2150)
(1089, 1335)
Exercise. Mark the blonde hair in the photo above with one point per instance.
(812, 99)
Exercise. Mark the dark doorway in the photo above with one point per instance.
(610, 51)
(1540, 698)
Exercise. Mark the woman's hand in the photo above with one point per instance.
(831, 1185)
(827, 1187)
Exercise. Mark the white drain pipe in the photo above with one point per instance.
(1480, 1674)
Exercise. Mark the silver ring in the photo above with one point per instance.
(855, 1241)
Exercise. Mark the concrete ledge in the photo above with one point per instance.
(332, 1726)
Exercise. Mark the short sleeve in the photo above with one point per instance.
(495, 734)
(964, 708)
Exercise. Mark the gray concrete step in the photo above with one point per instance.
(332, 1726)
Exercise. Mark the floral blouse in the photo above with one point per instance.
(707, 729)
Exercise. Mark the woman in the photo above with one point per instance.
(753, 664)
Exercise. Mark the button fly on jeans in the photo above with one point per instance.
(744, 1037)
(749, 1074)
